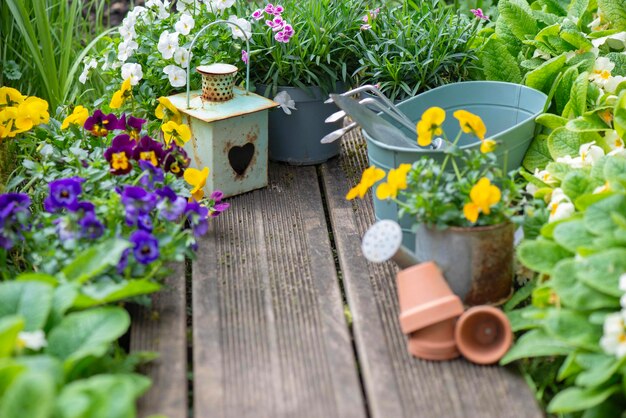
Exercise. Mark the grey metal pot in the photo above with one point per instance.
(477, 262)
(295, 138)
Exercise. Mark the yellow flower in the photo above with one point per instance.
(32, 111)
(471, 124)
(430, 125)
(120, 96)
(78, 117)
(7, 117)
(167, 111)
(370, 176)
(179, 133)
(149, 156)
(197, 179)
(483, 196)
(119, 161)
(10, 97)
(488, 145)
(396, 180)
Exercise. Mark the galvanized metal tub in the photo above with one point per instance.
(295, 138)
(476, 262)
(508, 110)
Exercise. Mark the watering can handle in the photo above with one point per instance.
(200, 33)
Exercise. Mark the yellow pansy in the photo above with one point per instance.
(488, 145)
(149, 156)
(197, 179)
(429, 125)
(78, 117)
(396, 180)
(32, 111)
(173, 131)
(166, 111)
(119, 161)
(7, 117)
(10, 97)
(483, 196)
(120, 96)
(370, 176)
(471, 124)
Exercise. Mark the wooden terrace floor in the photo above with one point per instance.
(281, 316)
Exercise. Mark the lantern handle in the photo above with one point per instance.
(247, 52)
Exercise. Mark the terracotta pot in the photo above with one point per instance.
(477, 262)
(483, 334)
(435, 342)
(425, 298)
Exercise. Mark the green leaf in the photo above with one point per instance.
(542, 77)
(536, 343)
(518, 16)
(96, 294)
(576, 8)
(62, 300)
(10, 327)
(95, 260)
(559, 170)
(614, 170)
(572, 328)
(601, 271)
(31, 300)
(520, 295)
(30, 395)
(563, 142)
(87, 333)
(616, 12)
(551, 121)
(564, 89)
(37, 277)
(525, 318)
(599, 368)
(598, 216)
(574, 293)
(541, 255)
(576, 183)
(571, 235)
(578, 96)
(538, 154)
(498, 63)
(578, 399)
(619, 59)
(587, 123)
(619, 115)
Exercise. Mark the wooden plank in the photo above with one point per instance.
(270, 336)
(396, 384)
(163, 328)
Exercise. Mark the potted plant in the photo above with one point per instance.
(301, 69)
(462, 217)
(411, 48)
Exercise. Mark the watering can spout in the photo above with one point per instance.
(383, 242)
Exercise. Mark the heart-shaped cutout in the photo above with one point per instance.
(240, 157)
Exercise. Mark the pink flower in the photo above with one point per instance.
(258, 14)
(244, 56)
(366, 27)
(288, 29)
(276, 24)
(479, 14)
(375, 12)
(269, 9)
(278, 9)
(282, 37)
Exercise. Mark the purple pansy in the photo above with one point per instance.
(132, 125)
(171, 206)
(145, 246)
(100, 124)
(151, 175)
(218, 206)
(90, 226)
(138, 203)
(197, 217)
(176, 160)
(149, 150)
(120, 153)
(14, 214)
(121, 265)
(64, 193)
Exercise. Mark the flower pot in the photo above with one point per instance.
(295, 138)
(476, 262)
(508, 110)
(425, 298)
(483, 334)
(435, 342)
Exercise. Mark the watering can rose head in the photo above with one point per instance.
(464, 188)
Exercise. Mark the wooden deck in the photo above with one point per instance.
(283, 317)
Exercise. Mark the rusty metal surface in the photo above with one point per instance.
(241, 104)
(477, 262)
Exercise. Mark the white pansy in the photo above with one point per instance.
(615, 41)
(176, 75)
(545, 176)
(574, 162)
(181, 57)
(613, 82)
(168, 42)
(245, 25)
(219, 5)
(161, 6)
(92, 63)
(560, 206)
(184, 6)
(35, 340)
(132, 71)
(590, 153)
(614, 339)
(285, 102)
(602, 71)
(185, 24)
(127, 31)
(126, 49)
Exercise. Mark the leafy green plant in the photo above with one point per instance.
(407, 49)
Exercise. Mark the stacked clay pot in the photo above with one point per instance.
(438, 329)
